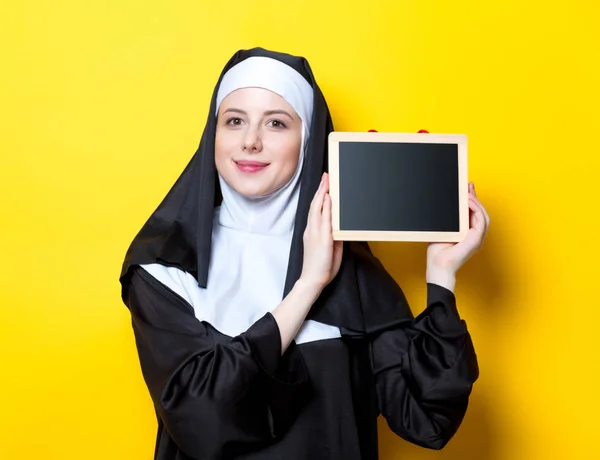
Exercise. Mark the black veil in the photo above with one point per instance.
(363, 298)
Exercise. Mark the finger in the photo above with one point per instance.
(465, 248)
(476, 212)
(325, 209)
(485, 213)
(477, 219)
(474, 192)
(326, 220)
(316, 205)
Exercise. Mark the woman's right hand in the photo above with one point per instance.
(322, 255)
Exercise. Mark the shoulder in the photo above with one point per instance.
(173, 278)
(157, 297)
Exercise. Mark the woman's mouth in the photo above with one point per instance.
(251, 166)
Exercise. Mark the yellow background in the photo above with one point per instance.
(103, 103)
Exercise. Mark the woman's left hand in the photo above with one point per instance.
(445, 259)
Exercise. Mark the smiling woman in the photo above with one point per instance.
(257, 132)
(260, 337)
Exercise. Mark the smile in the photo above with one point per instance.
(250, 166)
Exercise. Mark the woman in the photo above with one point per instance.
(260, 337)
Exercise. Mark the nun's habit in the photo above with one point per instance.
(208, 267)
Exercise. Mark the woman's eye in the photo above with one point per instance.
(234, 121)
(276, 124)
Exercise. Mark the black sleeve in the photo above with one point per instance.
(215, 395)
(424, 371)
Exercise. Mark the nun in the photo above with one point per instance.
(258, 336)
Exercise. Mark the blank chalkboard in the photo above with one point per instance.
(398, 187)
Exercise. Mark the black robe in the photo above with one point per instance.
(221, 397)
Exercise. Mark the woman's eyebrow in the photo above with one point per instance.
(278, 112)
(266, 113)
(240, 111)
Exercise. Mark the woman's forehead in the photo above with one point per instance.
(256, 99)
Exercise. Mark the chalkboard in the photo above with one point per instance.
(398, 186)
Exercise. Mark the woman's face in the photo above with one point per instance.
(258, 139)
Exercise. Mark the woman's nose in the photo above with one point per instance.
(252, 141)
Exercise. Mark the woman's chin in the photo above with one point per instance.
(255, 185)
(252, 188)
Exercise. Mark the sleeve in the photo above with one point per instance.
(424, 371)
(214, 397)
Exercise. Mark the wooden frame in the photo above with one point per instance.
(416, 236)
